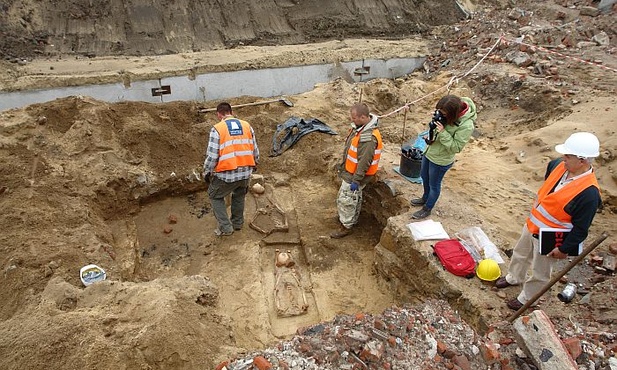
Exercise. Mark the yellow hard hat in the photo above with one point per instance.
(488, 270)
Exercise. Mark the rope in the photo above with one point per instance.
(535, 47)
(454, 80)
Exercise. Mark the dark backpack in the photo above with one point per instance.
(455, 258)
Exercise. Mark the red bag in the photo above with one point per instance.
(455, 258)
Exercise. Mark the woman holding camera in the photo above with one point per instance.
(450, 130)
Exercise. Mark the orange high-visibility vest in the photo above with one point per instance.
(351, 163)
(236, 145)
(549, 209)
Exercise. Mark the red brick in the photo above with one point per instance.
(449, 354)
(489, 353)
(283, 365)
(222, 365)
(379, 325)
(505, 364)
(392, 341)
(462, 362)
(262, 363)
(172, 219)
(168, 229)
(568, 41)
(372, 351)
(441, 347)
(304, 347)
(506, 341)
(573, 345)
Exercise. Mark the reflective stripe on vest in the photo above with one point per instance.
(236, 145)
(351, 163)
(549, 209)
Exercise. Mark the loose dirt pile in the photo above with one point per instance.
(83, 181)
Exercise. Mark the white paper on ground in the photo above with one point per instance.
(427, 230)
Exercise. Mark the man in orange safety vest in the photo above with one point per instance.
(360, 163)
(231, 157)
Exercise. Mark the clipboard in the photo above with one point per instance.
(550, 238)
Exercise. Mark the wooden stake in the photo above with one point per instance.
(404, 123)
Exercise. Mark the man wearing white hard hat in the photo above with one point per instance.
(567, 201)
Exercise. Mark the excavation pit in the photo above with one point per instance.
(124, 181)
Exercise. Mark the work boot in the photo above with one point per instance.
(341, 233)
(417, 202)
(423, 213)
(514, 304)
(502, 283)
(218, 232)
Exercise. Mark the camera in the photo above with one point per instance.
(432, 132)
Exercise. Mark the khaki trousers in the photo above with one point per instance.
(524, 256)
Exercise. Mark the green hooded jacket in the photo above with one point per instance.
(453, 138)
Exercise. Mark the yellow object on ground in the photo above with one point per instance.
(488, 270)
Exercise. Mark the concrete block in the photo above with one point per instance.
(605, 4)
(536, 335)
(610, 263)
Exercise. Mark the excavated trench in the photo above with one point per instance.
(163, 228)
(124, 179)
(282, 271)
(282, 266)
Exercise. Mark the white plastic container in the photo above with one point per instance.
(90, 274)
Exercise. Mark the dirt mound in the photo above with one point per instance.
(117, 325)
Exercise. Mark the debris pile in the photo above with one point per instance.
(546, 45)
(427, 336)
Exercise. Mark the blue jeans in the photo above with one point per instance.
(432, 174)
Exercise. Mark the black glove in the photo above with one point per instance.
(207, 177)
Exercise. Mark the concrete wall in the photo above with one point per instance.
(212, 86)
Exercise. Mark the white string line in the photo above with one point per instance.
(534, 47)
(453, 80)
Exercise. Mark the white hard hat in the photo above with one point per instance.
(581, 144)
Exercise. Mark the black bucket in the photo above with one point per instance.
(410, 167)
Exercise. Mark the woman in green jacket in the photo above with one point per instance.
(452, 125)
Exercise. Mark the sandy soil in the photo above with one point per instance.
(83, 181)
